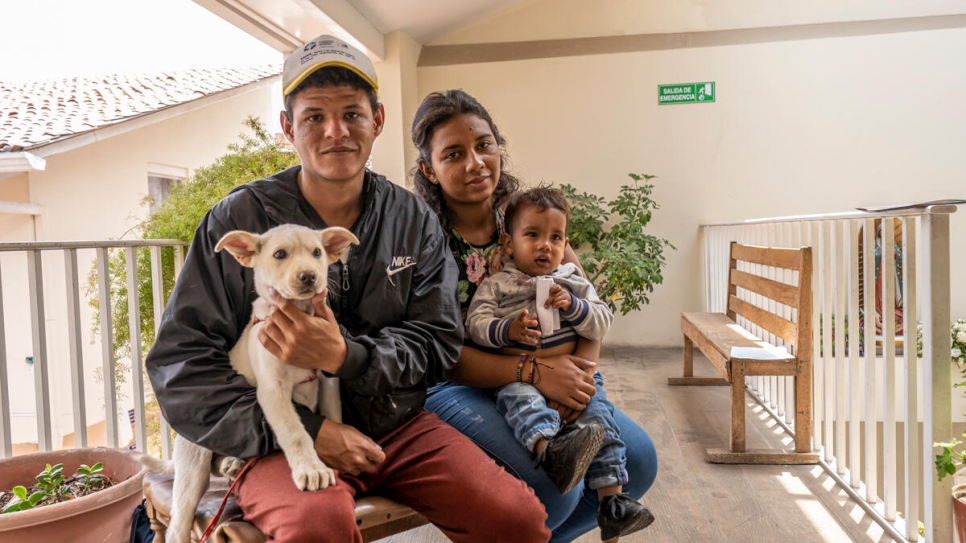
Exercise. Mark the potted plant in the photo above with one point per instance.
(622, 261)
(50, 514)
(952, 454)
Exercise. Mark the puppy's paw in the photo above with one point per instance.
(309, 475)
(229, 466)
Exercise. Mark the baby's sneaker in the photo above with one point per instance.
(567, 455)
(619, 515)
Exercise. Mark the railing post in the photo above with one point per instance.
(39, 323)
(134, 333)
(107, 347)
(6, 438)
(75, 348)
(938, 514)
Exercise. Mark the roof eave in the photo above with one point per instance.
(21, 162)
(76, 141)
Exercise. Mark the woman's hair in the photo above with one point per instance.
(438, 108)
(542, 198)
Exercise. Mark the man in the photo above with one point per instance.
(391, 328)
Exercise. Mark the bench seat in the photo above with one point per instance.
(376, 516)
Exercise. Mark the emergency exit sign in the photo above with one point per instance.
(685, 93)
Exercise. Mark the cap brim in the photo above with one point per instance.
(305, 74)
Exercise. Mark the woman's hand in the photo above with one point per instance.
(567, 380)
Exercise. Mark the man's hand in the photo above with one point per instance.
(567, 380)
(312, 342)
(559, 298)
(346, 449)
(522, 329)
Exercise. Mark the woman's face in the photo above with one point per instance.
(464, 160)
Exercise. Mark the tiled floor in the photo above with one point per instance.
(701, 502)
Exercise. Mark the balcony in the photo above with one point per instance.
(875, 480)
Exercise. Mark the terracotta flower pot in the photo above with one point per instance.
(103, 517)
(959, 511)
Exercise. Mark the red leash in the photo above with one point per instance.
(224, 501)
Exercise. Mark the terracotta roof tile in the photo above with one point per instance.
(39, 112)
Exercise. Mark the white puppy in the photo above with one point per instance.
(294, 260)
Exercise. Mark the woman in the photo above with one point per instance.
(459, 173)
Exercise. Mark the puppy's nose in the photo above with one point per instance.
(307, 277)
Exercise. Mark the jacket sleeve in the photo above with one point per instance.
(482, 324)
(416, 349)
(199, 393)
(589, 315)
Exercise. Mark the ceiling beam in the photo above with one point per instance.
(286, 25)
(350, 25)
(19, 208)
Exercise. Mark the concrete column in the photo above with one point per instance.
(393, 154)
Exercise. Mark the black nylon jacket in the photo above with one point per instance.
(395, 299)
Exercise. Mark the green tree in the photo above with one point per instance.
(622, 261)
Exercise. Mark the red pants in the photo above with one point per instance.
(429, 466)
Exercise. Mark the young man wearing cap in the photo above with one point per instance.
(393, 329)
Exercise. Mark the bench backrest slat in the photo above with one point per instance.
(782, 328)
(789, 259)
(798, 297)
(780, 292)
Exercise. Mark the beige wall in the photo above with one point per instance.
(92, 193)
(799, 127)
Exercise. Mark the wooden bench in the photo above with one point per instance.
(737, 353)
(376, 516)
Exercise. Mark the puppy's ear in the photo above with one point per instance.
(242, 245)
(336, 240)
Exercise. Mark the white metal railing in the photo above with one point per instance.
(868, 382)
(59, 321)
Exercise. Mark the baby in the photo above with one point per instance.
(502, 316)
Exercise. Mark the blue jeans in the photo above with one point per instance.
(526, 411)
(473, 412)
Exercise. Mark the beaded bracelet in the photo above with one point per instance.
(533, 365)
(523, 359)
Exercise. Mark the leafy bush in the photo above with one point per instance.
(622, 261)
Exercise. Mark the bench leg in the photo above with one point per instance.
(688, 357)
(803, 408)
(737, 408)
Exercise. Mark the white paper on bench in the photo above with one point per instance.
(769, 352)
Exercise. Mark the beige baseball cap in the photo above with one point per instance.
(325, 51)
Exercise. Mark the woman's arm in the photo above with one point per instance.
(566, 379)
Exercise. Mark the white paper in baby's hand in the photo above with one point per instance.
(549, 318)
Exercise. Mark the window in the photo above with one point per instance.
(161, 179)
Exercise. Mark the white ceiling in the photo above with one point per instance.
(287, 24)
(428, 20)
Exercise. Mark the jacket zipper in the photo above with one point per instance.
(345, 284)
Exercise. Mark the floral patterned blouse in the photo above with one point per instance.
(476, 262)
